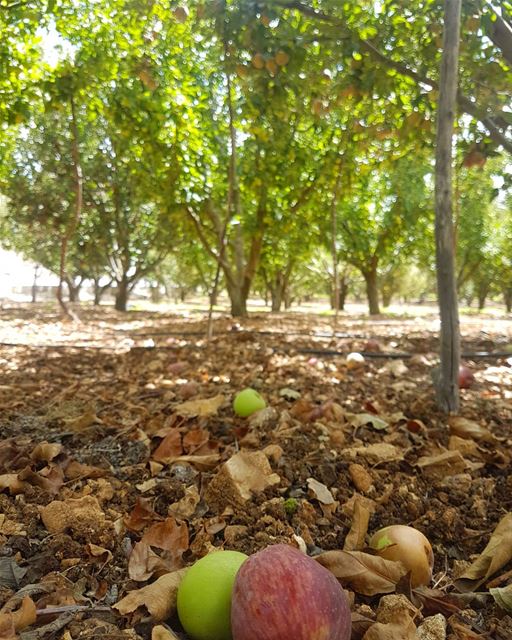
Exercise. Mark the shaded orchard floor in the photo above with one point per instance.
(108, 393)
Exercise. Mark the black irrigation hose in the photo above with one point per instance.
(321, 334)
(377, 355)
(479, 355)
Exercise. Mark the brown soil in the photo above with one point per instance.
(107, 389)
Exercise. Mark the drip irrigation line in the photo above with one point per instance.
(377, 355)
(478, 355)
(320, 334)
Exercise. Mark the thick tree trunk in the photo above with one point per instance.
(387, 296)
(277, 298)
(507, 299)
(238, 298)
(372, 291)
(483, 292)
(448, 385)
(122, 294)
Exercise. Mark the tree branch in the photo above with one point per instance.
(488, 120)
(206, 244)
(501, 34)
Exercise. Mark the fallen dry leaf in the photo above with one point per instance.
(159, 598)
(245, 473)
(83, 421)
(320, 491)
(162, 633)
(495, 555)
(362, 419)
(403, 628)
(362, 572)
(12, 483)
(140, 516)
(50, 479)
(20, 619)
(185, 508)
(76, 470)
(168, 535)
(465, 428)
(376, 452)
(11, 573)
(200, 408)
(203, 463)
(46, 451)
(170, 447)
(503, 597)
(447, 463)
(99, 552)
(355, 539)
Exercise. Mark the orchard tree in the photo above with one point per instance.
(380, 213)
(402, 41)
(261, 160)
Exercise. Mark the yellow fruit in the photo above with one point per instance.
(271, 67)
(410, 547)
(258, 61)
(282, 58)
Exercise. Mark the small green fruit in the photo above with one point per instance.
(204, 595)
(247, 402)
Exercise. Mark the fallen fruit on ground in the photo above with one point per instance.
(355, 360)
(282, 594)
(410, 547)
(466, 377)
(204, 595)
(247, 402)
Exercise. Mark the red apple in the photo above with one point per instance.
(372, 345)
(466, 377)
(282, 594)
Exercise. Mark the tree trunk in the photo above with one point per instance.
(72, 226)
(507, 299)
(238, 299)
(278, 288)
(74, 289)
(34, 284)
(343, 292)
(155, 294)
(448, 384)
(99, 290)
(372, 291)
(122, 293)
(483, 292)
(213, 297)
(277, 297)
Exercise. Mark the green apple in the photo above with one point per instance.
(204, 595)
(247, 402)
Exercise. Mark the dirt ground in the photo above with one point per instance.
(115, 433)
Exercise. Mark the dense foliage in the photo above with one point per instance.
(277, 139)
